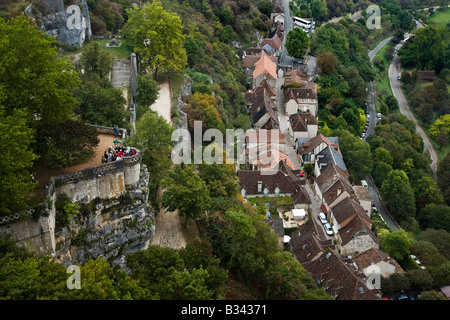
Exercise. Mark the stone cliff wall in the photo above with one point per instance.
(114, 218)
(69, 27)
(109, 228)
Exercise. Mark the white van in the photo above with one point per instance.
(364, 183)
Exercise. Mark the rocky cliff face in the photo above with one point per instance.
(71, 25)
(109, 228)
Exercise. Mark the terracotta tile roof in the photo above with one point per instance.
(274, 42)
(299, 94)
(265, 66)
(249, 180)
(309, 241)
(356, 227)
(373, 256)
(279, 154)
(253, 55)
(300, 121)
(312, 143)
(346, 210)
(301, 197)
(339, 279)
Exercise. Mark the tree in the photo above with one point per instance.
(95, 60)
(220, 179)
(382, 155)
(428, 49)
(148, 30)
(147, 91)
(399, 195)
(68, 143)
(441, 124)
(443, 177)
(380, 172)
(396, 243)
(186, 192)
(102, 105)
(17, 183)
(426, 191)
(353, 150)
(319, 9)
(435, 216)
(297, 43)
(153, 138)
(32, 75)
(309, 168)
(392, 102)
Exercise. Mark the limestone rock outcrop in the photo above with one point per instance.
(70, 24)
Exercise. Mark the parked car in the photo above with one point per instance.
(322, 218)
(328, 229)
(364, 183)
(301, 174)
(398, 78)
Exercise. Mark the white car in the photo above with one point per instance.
(328, 229)
(322, 218)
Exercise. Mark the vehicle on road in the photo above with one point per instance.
(322, 218)
(328, 229)
(364, 183)
(399, 77)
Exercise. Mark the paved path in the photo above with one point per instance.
(163, 105)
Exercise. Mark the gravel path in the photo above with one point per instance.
(163, 105)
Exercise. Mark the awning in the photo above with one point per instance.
(324, 209)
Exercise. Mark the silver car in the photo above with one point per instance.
(328, 229)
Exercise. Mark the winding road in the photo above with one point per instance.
(406, 110)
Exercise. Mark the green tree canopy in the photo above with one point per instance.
(148, 30)
(186, 192)
(17, 183)
(32, 75)
(396, 243)
(297, 43)
(399, 195)
(428, 49)
(153, 138)
(96, 61)
(102, 105)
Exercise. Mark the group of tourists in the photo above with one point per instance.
(117, 153)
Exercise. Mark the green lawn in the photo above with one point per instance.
(122, 52)
(440, 17)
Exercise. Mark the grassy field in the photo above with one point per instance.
(441, 17)
(122, 52)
